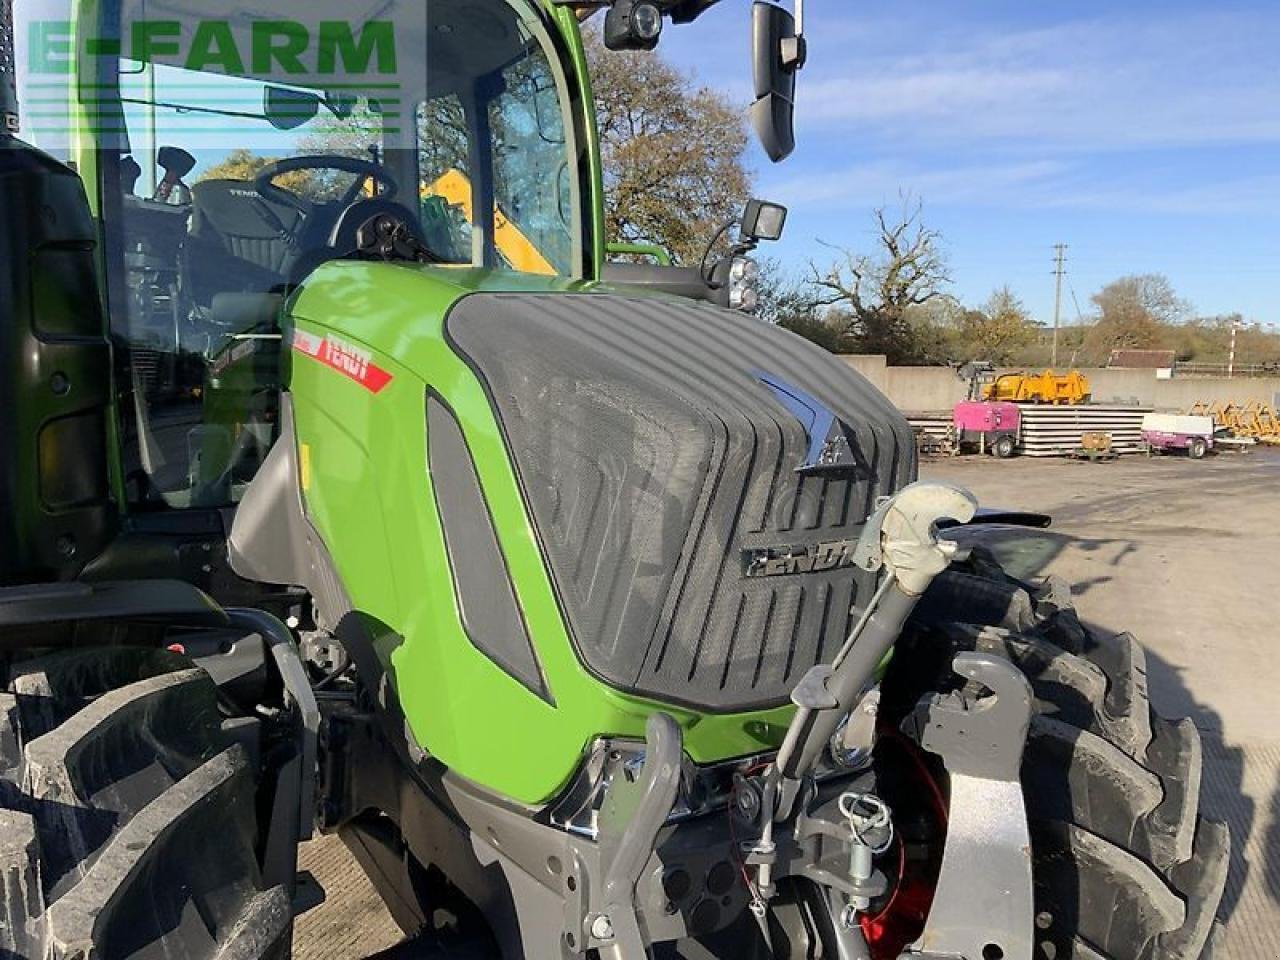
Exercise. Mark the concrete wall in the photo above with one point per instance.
(872, 367)
(920, 389)
(926, 389)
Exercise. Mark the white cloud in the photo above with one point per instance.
(1118, 82)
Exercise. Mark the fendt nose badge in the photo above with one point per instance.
(831, 440)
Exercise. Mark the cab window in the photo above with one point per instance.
(231, 184)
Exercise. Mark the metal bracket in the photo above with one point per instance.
(983, 905)
(629, 823)
(299, 695)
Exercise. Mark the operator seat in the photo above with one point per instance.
(240, 242)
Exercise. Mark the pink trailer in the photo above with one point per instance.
(1163, 432)
(994, 425)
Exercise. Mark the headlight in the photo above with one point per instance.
(744, 277)
(632, 25)
(703, 788)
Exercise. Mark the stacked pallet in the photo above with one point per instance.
(934, 432)
(1056, 431)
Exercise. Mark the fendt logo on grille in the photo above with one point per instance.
(777, 562)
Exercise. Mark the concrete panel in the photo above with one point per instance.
(938, 389)
(870, 365)
(1180, 394)
(920, 389)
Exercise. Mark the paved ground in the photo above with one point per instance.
(352, 921)
(1185, 555)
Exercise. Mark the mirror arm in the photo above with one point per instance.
(795, 50)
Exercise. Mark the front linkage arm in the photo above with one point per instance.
(901, 540)
(983, 905)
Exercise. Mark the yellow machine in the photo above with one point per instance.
(454, 187)
(1254, 419)
(1046, 387)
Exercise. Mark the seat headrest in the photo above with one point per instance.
(234, 208)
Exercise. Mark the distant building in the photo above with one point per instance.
(1160, 361)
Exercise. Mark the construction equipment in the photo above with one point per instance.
(1045, 387)
(595, 620)
(454, 187)
(993, 426)
(1254, 420)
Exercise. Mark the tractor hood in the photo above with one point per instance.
(695, 477)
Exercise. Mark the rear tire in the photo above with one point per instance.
(127, 816)
(1125, 866)
(1003, 447)
(1197, 448)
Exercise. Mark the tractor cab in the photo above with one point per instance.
(231, 152)
(235, 154)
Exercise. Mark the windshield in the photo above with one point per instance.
(460, 103)
(242, 151)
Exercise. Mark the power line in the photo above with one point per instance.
(1079, 315)
(1059, 268)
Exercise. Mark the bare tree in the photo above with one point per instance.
(876, 292)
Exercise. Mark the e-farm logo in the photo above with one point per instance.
(280, 49)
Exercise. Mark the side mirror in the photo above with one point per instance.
(778, 52)
(287, 109)
(762, 220)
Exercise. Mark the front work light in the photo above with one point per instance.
(633, 25)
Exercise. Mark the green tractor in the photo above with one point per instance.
(347, 489)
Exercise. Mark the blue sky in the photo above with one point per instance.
(1144, 135)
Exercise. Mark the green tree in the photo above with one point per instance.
(1134, 312)
(672, 151)
(783, 298)
(996, 332)
(240, 164)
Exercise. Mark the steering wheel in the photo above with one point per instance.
(365, 169)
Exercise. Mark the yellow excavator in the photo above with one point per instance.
(454, 187)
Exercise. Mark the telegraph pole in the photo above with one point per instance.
(1059, 268)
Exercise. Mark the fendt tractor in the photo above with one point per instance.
(345, 488)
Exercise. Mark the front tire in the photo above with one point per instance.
(127, 815)
(1197, 448)
(1125, 866)
(1003, 447)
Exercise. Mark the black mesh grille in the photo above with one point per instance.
(655, 461)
